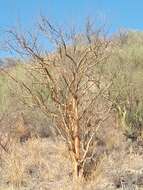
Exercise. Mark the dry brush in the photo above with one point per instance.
(67, 85)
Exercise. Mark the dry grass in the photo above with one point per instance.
(35, 164)
(44, 164)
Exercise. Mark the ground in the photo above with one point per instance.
(44, 164)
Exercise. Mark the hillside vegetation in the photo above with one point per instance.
(33, 151)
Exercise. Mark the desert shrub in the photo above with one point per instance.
(13, 102)
(126, 92)
(67, 85)
(4, 92)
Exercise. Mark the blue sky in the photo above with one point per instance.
(118, 13)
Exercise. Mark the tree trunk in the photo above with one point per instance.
(76, 136)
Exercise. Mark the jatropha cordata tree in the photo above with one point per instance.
(68, 84)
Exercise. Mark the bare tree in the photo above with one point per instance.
(68, 85)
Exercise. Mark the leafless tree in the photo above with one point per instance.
(68, 84)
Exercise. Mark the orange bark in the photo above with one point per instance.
(76, 136)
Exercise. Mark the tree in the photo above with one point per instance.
(67, 85)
